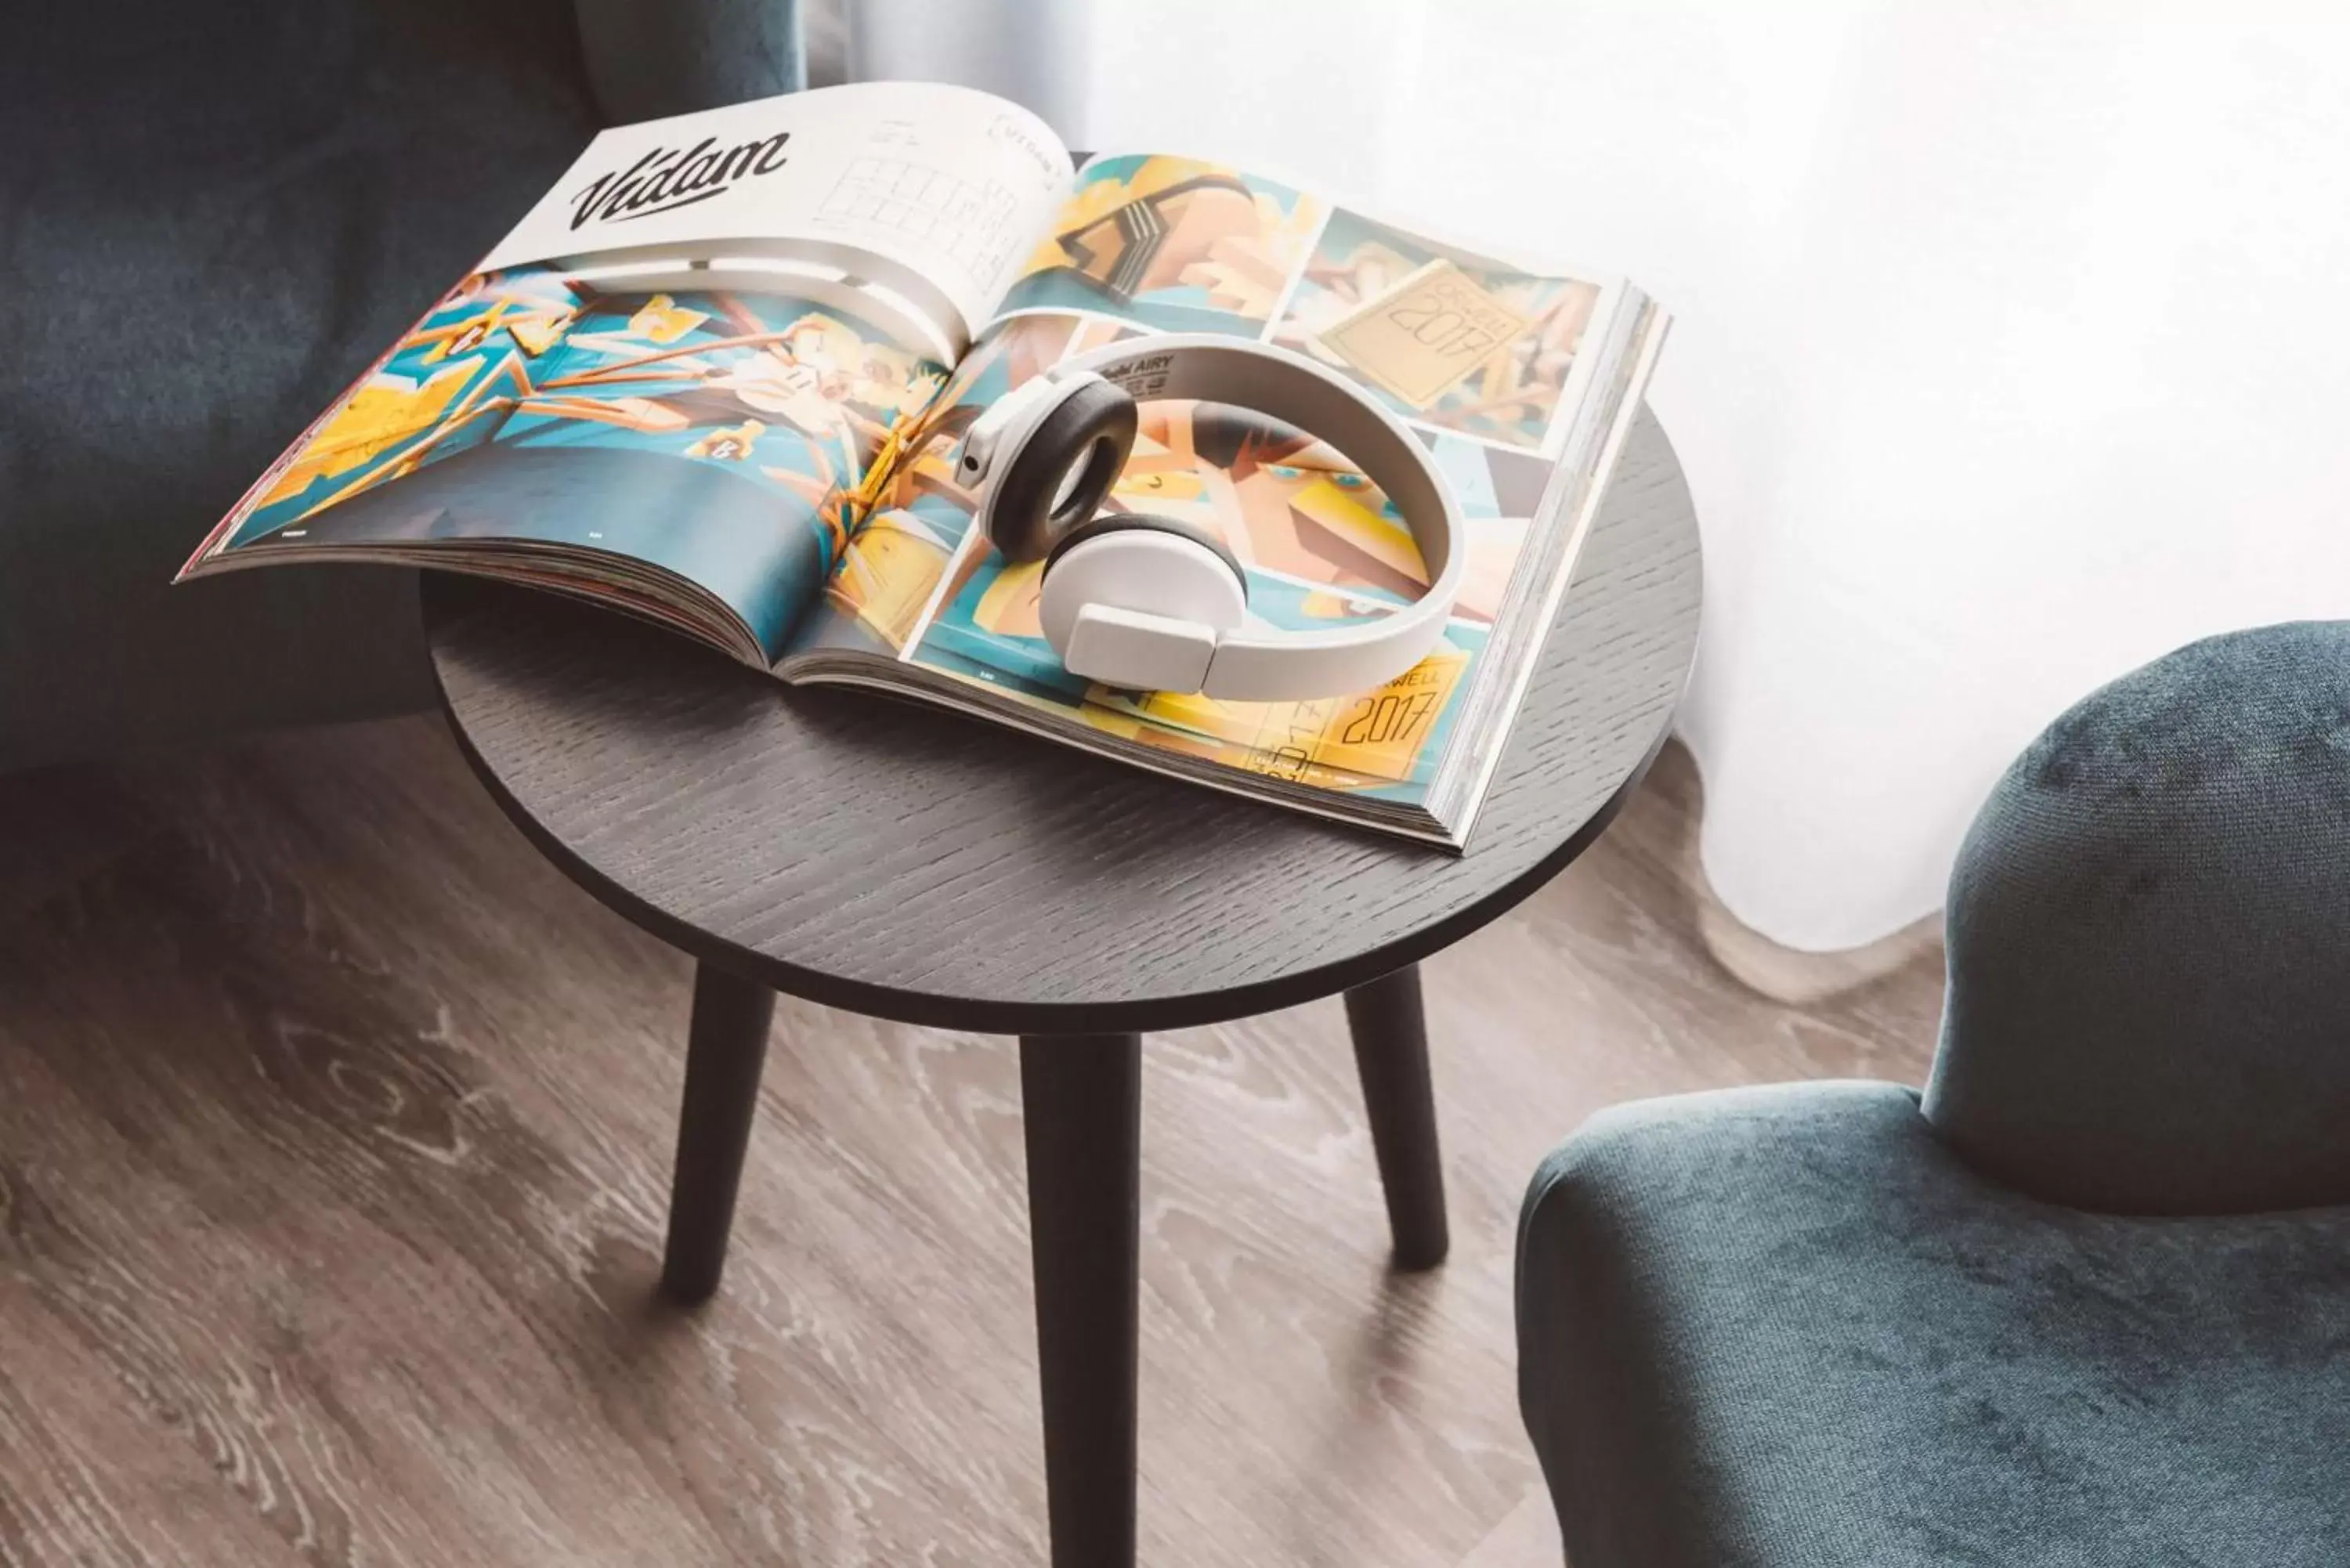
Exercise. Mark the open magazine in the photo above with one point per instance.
(765, 460)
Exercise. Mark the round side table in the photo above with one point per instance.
(897, 860)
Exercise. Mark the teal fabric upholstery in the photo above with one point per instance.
(647, 61)
(2087, 1305)
(213, 217)
(2149, 941)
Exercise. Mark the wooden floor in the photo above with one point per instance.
(334, 1142)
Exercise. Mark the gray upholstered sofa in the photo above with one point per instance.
(212, 216)
(2086, 1301)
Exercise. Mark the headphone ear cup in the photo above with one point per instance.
(1141, 563)
(1104, 523)
(1062, 472)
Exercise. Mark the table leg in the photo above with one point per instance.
(1082, 1106)
(725, 1047)
(1391, 1034)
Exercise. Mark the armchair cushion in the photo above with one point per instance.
(650, 60)
(2149, 940)
(213, 217)
(1789, 1328)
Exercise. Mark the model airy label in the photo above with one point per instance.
(664, 180)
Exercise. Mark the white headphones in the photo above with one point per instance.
(1154, 604)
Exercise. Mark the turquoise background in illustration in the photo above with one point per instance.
(759, 544)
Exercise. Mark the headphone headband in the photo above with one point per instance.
(1259, 666)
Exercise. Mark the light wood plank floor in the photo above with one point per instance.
(334, 1142)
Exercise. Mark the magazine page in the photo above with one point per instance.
(931, 195)
(689, 458)
(1485, 360)
(689, 453)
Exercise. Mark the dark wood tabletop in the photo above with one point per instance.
(898, 861)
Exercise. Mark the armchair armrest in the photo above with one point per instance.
(647, 58)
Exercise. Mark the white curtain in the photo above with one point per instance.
(2014, 344)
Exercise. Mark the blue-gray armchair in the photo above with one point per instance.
(2086, 1302)
(212, 216)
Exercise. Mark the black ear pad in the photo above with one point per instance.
(1090, 433)
(1121, 522)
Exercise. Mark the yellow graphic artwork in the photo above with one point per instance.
(1009, 606)
(886, 574)
(1419, 338)
(1455, 340)
(535, 330)
(538, 330)
(388, 410)
(1379, 533)
(1374, 737)
(1177, 231)
(662, 320)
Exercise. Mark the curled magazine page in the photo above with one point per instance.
(934, 193)
(530, 421)
(669, 387)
